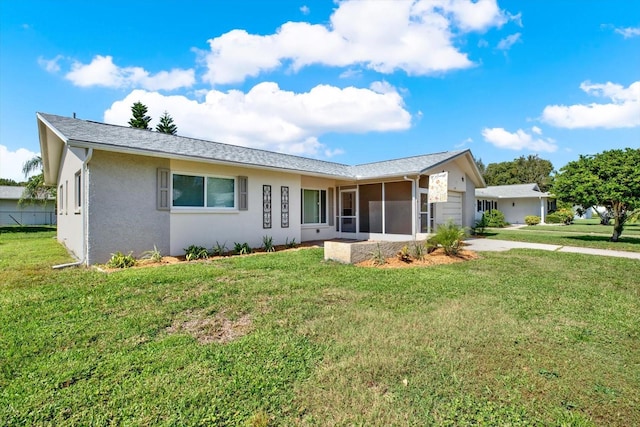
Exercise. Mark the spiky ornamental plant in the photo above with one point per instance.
(166, 124)
(140, 120)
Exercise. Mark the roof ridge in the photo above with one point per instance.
(165, 135)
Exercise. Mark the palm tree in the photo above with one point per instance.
(35, 188)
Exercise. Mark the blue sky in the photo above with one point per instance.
(351, 81)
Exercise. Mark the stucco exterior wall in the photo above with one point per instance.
(122, 206)
(515, 210)
(469, 203)
(70, 220)
(205, 227)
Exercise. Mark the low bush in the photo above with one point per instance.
(267, 244)
(495, 218)
(194, 252)
(419, 250)
(241, 248)
(479, 226)
(404, 255)
(377, 257)
(120, 260)
(449, 236)
(532, 220)
(561, 216)
(154, 255)
(290, 244)
(219, 249)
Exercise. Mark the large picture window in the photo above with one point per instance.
(314, 206)
(201, 191)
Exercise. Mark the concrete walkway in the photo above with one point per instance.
(490, 245)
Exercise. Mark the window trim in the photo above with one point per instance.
(322, 205)
(205, 208)
(77, 180)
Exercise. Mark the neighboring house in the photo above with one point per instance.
(514, 201)
(125, 189)
(36, 212)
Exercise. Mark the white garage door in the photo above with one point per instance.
(452, 209)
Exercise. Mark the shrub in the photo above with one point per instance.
(290, 244)
(241, 248)
(419, 250)
(403, 254)
(561, 216)
(219, 249)
(154, 255)
(377, 257)
(194, 252)
(120, 260)
(532, 220)
(449, 236)
(267, 244)
(479, 226)
(495, 218)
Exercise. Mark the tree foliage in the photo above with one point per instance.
(9, 182)
(166, 124)
(523, 170)
(35, 189)
(140, 119)
(610, 179)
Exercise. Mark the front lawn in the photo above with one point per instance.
(557, 236)
(589, 226)
(515, 338)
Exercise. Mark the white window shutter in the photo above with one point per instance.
(162, 198)
(243, 193)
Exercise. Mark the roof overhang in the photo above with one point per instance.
(51, 144)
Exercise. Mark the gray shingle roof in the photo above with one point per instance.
(10, 193)
(516, 191)
(114, 137)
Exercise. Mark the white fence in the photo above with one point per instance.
(27, 218)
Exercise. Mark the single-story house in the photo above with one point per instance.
(36, 212)
(514, 201)
(125, 189)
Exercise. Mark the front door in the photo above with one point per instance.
(348, 211)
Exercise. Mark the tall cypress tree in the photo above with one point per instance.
(166, 124)
(140, 119)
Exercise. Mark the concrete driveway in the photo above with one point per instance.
(490, 245)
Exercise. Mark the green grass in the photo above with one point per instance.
(589, 226)
(517, 338)
(564, 236)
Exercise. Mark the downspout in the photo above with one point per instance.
(85, 215)
(414, 198)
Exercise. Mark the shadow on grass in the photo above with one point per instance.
(623, 239)
(27, 228)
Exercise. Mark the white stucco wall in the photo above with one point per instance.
(205, 227)
(122, 206)
(70, 220)
(515, 210)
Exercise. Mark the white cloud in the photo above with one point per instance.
(101, 71)
(518, 140)
(305, 10)
(622, 111)
(50, 65)
(628, 32)
(11, 163)
(507, 42)
(270, 118)
(536, 130)
(416, 36)
(463, 143)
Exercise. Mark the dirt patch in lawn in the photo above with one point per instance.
(437, 257)
(207, 329)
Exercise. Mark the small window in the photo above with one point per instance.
(200, 191)
(78, 191)
(61, 199)
(314, 206)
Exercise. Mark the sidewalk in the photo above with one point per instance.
(489, 245)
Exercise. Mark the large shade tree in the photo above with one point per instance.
(610, 179)
(523, 170)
